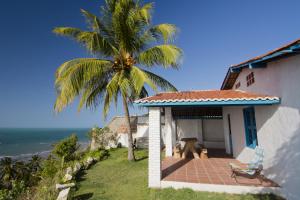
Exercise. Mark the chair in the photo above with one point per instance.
(253, 169)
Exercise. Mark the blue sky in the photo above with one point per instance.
(214, 34)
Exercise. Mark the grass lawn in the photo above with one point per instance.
(116, 179)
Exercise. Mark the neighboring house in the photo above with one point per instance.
(258, 104)
(139, 128)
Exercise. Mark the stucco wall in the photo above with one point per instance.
(143, 131)
(213, 135)
(208, 132)
(278, 127)
(240, 151)
(187, 128)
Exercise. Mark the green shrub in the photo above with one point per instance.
(18, 187)
(50, 167)
(66, 148)
(5, 195)
(45, 189)
(99, 154)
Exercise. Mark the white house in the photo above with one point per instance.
(258, 104)
(139, 127)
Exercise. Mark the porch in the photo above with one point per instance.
(203, 116)
(214, 170)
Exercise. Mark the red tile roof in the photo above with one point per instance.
(205, 95)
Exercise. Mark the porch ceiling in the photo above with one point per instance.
(197, 112)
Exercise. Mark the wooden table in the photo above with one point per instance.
(189, 146)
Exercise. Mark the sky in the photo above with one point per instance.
(214, 34)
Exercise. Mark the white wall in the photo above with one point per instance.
(123, 139)
(278, 126)
(213, 136)
(187, 128)
(208, 131)
(143, 131)
(240, 151)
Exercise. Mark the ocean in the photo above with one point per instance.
(22, 143)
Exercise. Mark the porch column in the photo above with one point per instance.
(154, 162)
(169, 131)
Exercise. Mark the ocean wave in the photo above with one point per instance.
(43, 154)
(44, 143)
(27, 156)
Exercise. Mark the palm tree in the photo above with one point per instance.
(34, 169)
(21, 170)
(124, 45)
(34, 163)
(7, 172)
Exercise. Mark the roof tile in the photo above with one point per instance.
(205, 95)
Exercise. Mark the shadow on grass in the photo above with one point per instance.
(85, 196)
(266, 197)
(81, 176)
(140, 159)
(140, 155)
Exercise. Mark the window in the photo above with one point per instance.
(238, 85)
(250, 127)
(250, 79)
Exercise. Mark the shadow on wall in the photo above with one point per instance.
(280, 137)
(287, 167)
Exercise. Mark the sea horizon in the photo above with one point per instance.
(22, 143)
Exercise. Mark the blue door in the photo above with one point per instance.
(250, 127)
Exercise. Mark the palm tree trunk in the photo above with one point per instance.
(130, 140)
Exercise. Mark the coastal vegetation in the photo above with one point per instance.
(16, 176)
(125, 46)
(37, 178)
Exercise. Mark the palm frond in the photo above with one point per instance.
(144, 12)
(93, 41)
(139, 78)
(160, 82)
(94, 91)
(112, 91)
(72, 77)
(166, 31)
(166, 55)
(92, 20)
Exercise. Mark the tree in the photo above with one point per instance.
(7, 172)
(125, 45)
(21, 170)
(34, 163)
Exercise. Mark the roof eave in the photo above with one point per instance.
(210, 103)
(262, 61)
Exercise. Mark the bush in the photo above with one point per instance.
(99, 154)
(18, 187)
(46, 189)
(66, 148)
(50, 167)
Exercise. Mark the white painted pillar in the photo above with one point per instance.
(173, 132)
(226, 130)
(169, 131)
(154, 162)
